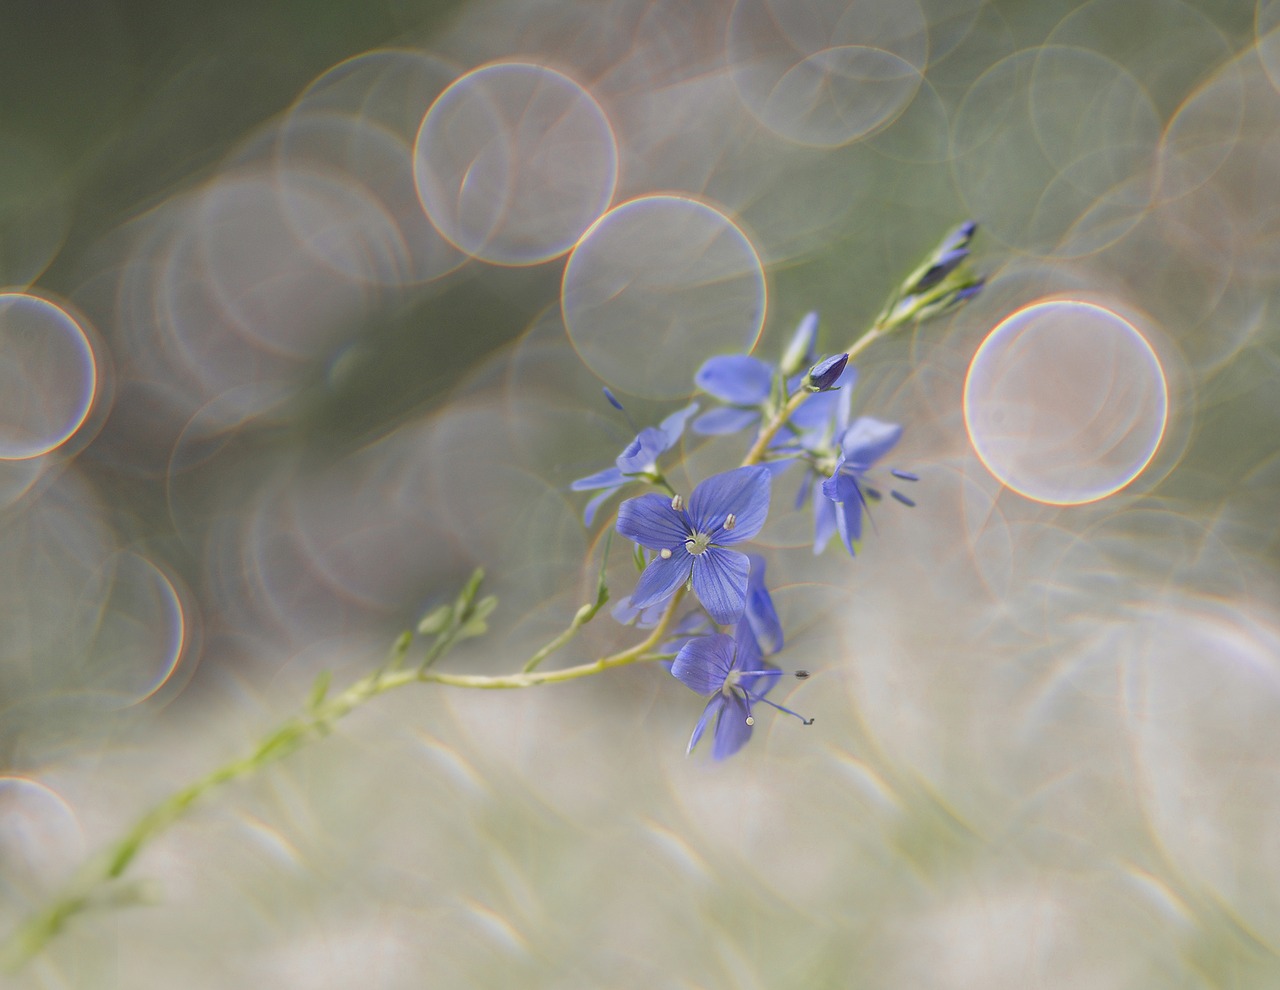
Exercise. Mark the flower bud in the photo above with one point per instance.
(823, 376)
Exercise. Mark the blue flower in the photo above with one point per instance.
(731, 670)
(745, 383)
(846, 491)
(639, 460)
(693, 545)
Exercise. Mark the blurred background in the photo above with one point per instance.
(307, 310)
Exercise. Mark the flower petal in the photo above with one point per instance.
(824, 520)
(673, 426)
(660, 579)
(761, 616)
(737, 378)
(650, 521)
(608, 478)
(744, 492)
(849, 523)
(713, 707)
(726, 419)
(800, 350)
(732, 730)
(867, 440)
(589, 513)
(720, 582)
(642, 451)
(703, 664)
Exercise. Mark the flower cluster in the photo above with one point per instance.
(798, 411)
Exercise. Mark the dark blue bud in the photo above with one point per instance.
(943, 266)
(613, 399)
(823, 375)
(968, 292)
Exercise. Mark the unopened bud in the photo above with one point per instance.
(824, 375)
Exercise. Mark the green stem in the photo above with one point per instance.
(770, 429)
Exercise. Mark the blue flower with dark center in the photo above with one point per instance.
(638, 461)
(846, 491)
(731, 670)
(693, 545)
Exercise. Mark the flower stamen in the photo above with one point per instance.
(698, 544)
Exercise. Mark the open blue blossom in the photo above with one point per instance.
(846, 491)
(744, 383)
(731, 670)
(693, 545)
(639, 460)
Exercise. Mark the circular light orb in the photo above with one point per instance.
(657, 286)
(826, 73)
(513, 162)
(1065, 402)
(48, 376)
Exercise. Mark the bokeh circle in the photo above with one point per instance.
(655, 287)
(1065, 402)
(48, 376)
(826, 73)
(513, 162)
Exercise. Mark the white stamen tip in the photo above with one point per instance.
(751, 720)
(730, 521)
(677, 502)
(664, 553)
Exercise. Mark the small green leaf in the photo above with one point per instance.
(436, 620)
(484, 607)
(473, 627)
(637, 555)
(468, 593)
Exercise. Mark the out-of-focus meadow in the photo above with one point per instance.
(308, 310)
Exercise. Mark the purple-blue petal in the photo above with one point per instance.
(805, 340)
(725, 419)
(732, 730)
(742, 492)
(720, 582)
(843, 487)
(608, 478)
(736, 378)
(849, 523)
(761, 616)
(642, 451)
(660, 579)
(703, 664)
(650, 521)
(713, 708)
(673, 426)
(824, 520)
(867, 440)
(589, 513)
